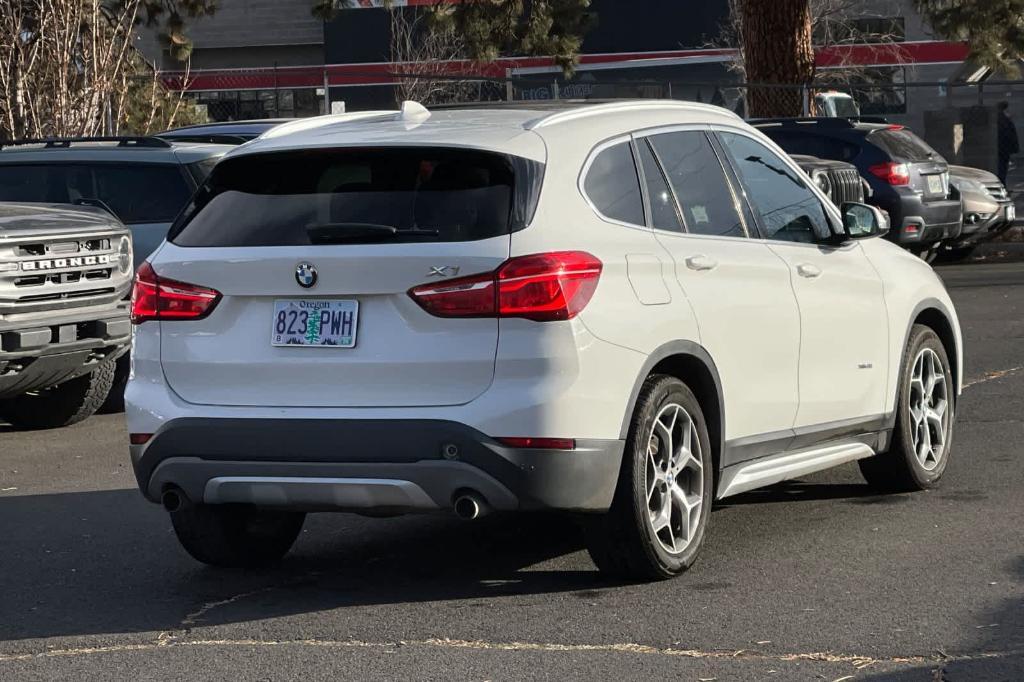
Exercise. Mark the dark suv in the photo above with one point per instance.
(908, 178)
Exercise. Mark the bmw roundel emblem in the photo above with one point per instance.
(305, 275)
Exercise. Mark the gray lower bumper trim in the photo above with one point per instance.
(191, 453)
(335, 493)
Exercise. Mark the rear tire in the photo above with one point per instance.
(64, 404)
(657, 521)
(923, 435)
(235, 536)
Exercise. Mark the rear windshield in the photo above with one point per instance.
(136, 193)
(813, 145)
(360, 195)
(903, 145)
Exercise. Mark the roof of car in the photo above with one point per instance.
(224, 127)
(821, 124)
(513, 128)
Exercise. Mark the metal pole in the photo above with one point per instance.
(510, 92)
(277, 95)
(554, 89)
(327, 93)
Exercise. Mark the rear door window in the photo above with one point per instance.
(903, 145)
(135, 193)
(699, 182)
(613, 186)
(360, 195)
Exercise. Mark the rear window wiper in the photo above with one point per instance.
(95, 203)
(340, 233)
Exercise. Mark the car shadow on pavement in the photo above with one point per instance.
(108, 562)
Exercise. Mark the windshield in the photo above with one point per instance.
(383, 194)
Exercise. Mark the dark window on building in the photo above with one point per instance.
(699, 182)
(613, 186)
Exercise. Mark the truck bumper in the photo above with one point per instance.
(69, 345)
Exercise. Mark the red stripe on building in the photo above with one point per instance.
(386, 73)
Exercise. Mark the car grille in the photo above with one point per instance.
(36, 273)
(846, 186)
(997, 191)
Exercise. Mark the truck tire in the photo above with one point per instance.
(114, 404)
(64, 404)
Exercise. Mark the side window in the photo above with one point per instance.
(664, 210)
(613, 186)
(789, 210)
(700, 183)
(142, 194)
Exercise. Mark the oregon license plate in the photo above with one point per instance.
(315, 322)
(935, 184)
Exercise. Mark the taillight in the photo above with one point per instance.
(543, 287)
(893, 173)
(158, 298)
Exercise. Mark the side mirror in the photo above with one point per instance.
(861, 221)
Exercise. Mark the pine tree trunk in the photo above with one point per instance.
(777, 49)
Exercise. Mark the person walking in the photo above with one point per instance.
(1007, 140)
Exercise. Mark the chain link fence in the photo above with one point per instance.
(963, 121)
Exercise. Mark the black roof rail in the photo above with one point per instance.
(148, 142)
(836, 122)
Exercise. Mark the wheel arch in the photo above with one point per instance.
(933, 314)
(692, 364)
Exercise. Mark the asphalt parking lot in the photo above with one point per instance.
(815, 579)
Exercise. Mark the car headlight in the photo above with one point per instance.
(824, 184)
(967, 185)
(124, 255)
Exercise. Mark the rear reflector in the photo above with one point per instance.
(139, 438)
(544, 287)
(158, 298)
(539, 443)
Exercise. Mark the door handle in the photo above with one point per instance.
(701, 262)
(808, 270)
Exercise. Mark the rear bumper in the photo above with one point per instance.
(915, 221)
(370, 466)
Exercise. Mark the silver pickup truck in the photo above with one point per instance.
(65, 273)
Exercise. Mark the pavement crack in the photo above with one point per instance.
(992, 376)
(165, 641)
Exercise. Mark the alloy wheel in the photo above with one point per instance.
(675, 479)
(929, 409)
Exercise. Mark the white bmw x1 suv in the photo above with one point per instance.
(626, 310)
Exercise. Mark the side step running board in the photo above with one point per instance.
(788, 465)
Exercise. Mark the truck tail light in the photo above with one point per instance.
(158, 298)
(893, 173)
(542, 287)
